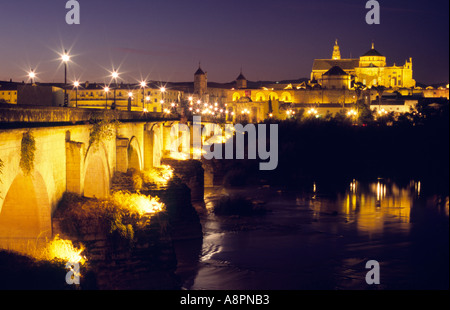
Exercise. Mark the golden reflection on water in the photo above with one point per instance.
(370, 207)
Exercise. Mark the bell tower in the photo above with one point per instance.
(336, 51)
(200, 82)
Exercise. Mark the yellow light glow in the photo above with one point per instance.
(143, 84)
(137, 203)
(62, 250)
(158, 175)
(198, 151)
(179, 156)
(130, 94)
(163, 89)
(76, 84)
(106, 89)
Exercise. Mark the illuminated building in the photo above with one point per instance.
(370, 69)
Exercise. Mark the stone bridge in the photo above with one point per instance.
(65, 160)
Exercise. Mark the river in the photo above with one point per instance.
(313, 239)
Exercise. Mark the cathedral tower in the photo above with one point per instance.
(336, 51)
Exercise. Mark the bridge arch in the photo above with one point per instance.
(25, 215)
(134, 155)
(153, 146)
(97, 174)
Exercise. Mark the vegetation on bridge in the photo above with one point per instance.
(27, 152)
(103, 127)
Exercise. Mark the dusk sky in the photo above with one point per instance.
(165, 39)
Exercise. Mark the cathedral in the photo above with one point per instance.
(370, 69)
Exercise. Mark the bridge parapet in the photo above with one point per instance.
(42, 116)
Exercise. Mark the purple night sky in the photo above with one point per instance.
(166, 39)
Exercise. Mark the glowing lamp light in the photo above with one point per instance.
(76, 84)
(163, 89)
(143, 84)
(130, 94)
(312, 111)
(65, 58)
(106, 89)
(162, 102)
(198, 102)
(173, 104)
(147, 98)
(190, 98)
(145, 110)
(115, 75)
(351, 113)
(32, 75)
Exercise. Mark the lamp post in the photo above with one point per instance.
(32, 76)
(114, 75)
(106, 89)
(76, 84)
(130, 97)
(65, 58)
(143, 85)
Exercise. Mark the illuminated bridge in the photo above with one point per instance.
(60, 146)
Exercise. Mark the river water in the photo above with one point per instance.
(321, 240)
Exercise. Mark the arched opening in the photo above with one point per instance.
(134, 158)
(286, 97)
(273, 96)
(96, 181)
(260, 97)
(25, 217)
(236, 96)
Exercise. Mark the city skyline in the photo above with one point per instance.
(165, 41)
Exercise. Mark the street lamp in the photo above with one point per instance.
(143, 85)
(76, 84)
(106, 89)
(115, 76)
(65, 59)
(130, 96)
(32, 76)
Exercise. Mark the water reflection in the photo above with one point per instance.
(320, 239)
(370, 205)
